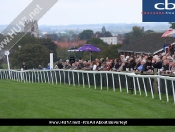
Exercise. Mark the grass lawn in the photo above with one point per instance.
(24, 100)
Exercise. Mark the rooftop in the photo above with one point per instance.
(148, 43)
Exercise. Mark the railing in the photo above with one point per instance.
(111, 80)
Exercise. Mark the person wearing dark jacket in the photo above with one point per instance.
(116, 64)
(98, 68)
(148, 64)
(165, 66)
(137, 61)
(122, 66)
(156, 63)
(24, 66)
(112, 63)
(132, 63)
(60, 66)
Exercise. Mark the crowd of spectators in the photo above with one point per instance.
(138, 63)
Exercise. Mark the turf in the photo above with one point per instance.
(24, 100)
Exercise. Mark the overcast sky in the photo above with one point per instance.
(66, 12)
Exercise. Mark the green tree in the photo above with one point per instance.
(22, 40)
(32, 54)
(136, 33)
(55, 37)
(107, 34)
(51, 46)
(96, 41)
(86, 34)
(64, 37)
(111, 51)
(28, 39)
(127, 38)
(75, 37)
(71, 32)
(62, 53)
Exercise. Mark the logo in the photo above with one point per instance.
(165, 6)
(158, 11)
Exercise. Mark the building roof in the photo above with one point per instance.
(149, 43)
(70, 44)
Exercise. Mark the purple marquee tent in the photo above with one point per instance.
(89, 48)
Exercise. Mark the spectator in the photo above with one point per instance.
(142, 67)
(112, 63)
(56, 65)
(156, 63)
(171, 49)
(89, 63)
(104, 66)
(165, 66)
(123, 66)
(67, 65)
(40, 67)
(163, 58)
(86, 66)
(145, 56)
(149, 64)
(73, 67)
(122, 58)
(48, 66)
(99, 68)
(94, 66)
(107, 66)
(127, 57)
(131, 63)
(173, 67)
(102, 60)
(117, 64)
(24, 67)
(97, 60)
(107, 59)
(137, 61)
(78, 66)
(60, 65)
(81, 65)
(127, 64)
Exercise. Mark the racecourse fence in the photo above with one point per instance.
(138, 84)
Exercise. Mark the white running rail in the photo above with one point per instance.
(75, 77)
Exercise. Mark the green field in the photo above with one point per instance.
(24, 100)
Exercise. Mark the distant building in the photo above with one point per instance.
(109, 40)
(66, 44)
(32, 28)
(119, 39)
(48, 36)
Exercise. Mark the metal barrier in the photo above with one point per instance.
(108, 79)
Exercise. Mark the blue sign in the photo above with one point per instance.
(164, 46)
(158, 10)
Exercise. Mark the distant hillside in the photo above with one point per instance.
(113, 28)
(118, 28)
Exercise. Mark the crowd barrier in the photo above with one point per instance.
(138, 84)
